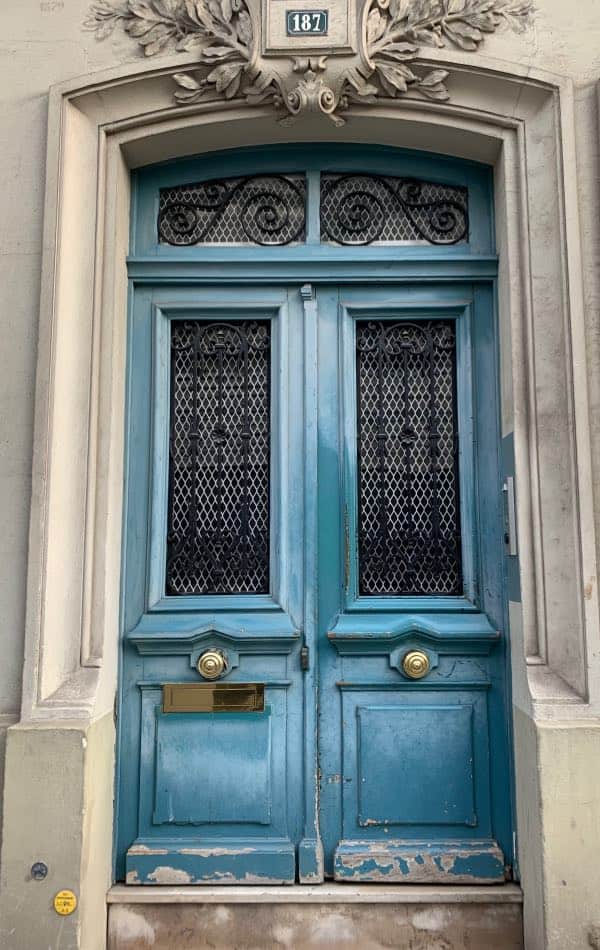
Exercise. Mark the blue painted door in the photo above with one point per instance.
(313, 513)
(412, 722)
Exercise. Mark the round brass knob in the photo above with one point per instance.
(212, 664)
(416, 664)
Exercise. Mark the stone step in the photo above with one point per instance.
(335, 916)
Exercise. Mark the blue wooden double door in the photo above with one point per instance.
(313, 674)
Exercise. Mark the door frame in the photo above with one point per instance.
(519, 119)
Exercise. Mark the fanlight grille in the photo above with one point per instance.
(355, 209)
(259, 209)
(365, 209)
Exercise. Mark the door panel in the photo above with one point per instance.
(212, 569)
(408, 765)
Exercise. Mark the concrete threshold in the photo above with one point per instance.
(317, 894)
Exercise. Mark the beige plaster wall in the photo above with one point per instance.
(570, 808)
(69, 756)
(41, 44)
(561, 812)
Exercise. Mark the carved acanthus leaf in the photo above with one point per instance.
(396, 29)
(225, 36)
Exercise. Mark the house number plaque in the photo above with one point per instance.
(307, 22)
(306, 28)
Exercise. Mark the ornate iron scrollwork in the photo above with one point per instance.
(362, 209)
(409, 525)
(270, 210)
(258, 209)
(219, 473)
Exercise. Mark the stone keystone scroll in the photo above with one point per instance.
(244, 52)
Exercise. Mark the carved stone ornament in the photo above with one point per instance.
(233, 60)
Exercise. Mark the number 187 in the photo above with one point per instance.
(311, 21)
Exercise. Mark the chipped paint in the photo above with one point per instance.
(219, 863)
(311, 862)
(222, 915)
(226, 877)
(167, 875)
(215, 852)
(144, 849)
(391, 862)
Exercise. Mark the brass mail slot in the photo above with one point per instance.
(213, 697)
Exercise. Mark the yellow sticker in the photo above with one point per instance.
(65, 903)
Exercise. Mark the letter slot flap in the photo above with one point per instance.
(213, 697)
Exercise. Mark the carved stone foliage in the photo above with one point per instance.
(226, 35)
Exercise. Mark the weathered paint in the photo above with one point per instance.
(241, 866)
(403, 862)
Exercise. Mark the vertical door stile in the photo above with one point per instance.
(310, 848)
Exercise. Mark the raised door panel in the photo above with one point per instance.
(415, 765)
(213, 768)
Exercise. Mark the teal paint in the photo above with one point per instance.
(252, 866)
(277, 822)
(478, 866)
(237, 796)
(398, 862)
(398, 745)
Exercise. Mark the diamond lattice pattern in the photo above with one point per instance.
(258, 209)
(218, 540)
(409, 539)
(369, 209)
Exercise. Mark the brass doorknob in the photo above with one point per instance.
(212, 664)
(416, 664)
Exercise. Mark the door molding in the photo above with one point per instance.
(72, 627)
(519, 120)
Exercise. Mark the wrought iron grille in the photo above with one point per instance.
(364, 209)
(218, 533)
(257, 209)
(409, 525)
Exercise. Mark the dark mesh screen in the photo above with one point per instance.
(409, 534)
(218, 536)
